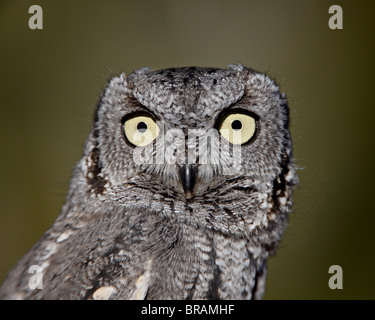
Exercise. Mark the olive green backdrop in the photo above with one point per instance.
(51, 79)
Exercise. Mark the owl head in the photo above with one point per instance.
(201, 144)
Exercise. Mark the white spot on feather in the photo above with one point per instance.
(142, 283)
(103, 293)
(65, 235)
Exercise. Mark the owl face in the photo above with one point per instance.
(193, 134)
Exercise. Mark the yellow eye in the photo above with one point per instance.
(141, 129)
(237, 127)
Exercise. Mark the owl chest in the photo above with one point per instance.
(205, 265)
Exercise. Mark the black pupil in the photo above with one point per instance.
(142, 127)
(236, 125)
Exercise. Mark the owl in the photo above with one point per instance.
(183, 192)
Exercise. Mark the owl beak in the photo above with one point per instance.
(188, 176)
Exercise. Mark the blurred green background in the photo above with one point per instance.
(51, 79)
